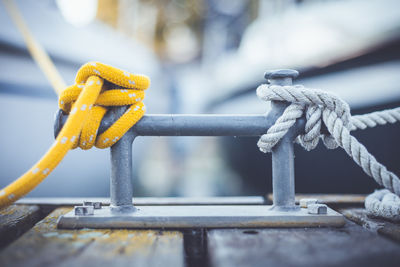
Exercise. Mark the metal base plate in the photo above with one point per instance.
(200, 217)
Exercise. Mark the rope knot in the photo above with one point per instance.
(126, 90)
(317, 106)
(327, 110)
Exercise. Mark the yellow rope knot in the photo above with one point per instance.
(131, 93)
(86, 103)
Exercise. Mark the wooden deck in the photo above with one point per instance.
(28, 237)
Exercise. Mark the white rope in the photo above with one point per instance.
(326, 108)
(375, 118)
(383, 203)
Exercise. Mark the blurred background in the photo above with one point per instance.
(203, 56)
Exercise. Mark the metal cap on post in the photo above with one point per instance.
(281, 76)
(282, 153)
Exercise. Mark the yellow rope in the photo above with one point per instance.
(85, 102)
(35, 49)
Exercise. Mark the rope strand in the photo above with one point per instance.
(370, 120)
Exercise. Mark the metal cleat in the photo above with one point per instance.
(283, 213)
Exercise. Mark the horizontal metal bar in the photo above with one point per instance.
(190, 125)
(202, 125)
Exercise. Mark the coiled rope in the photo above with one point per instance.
(326, 108)
(86, 103)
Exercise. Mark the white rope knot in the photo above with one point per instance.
(322, 108)
(318, 105)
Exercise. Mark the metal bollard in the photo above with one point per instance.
(121, 190)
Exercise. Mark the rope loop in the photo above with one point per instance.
(128, 91)
(322, 108)
(312, 102)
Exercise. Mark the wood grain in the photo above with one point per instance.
(44, 245)
(351, 245)
(386, 228)
(16, 220)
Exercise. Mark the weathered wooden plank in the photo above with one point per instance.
(383, 227)
(45, 245)
(351, 245)
(16, 220)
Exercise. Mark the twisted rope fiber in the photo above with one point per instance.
(86, 103)
(322, 107)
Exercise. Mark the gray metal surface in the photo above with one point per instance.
(203, 125)
(121, 186)
(200, 217)
(146, 201)
(282, 153)
(187, 124)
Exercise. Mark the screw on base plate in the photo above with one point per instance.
(317, 209)
(96, 205)
(84, 210)
(304, 202)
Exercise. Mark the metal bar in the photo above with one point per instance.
(282, 153)
(121, 188)
(283, 173)
(202, 125)
(188, 124)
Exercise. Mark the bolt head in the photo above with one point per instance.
(96, 205)
(317, 209)
(84, 210)
(282, 73)
(304, 202)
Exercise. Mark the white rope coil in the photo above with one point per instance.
(383, 203)
(322, 108)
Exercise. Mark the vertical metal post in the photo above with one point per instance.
(282, 153)
(121, 188)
